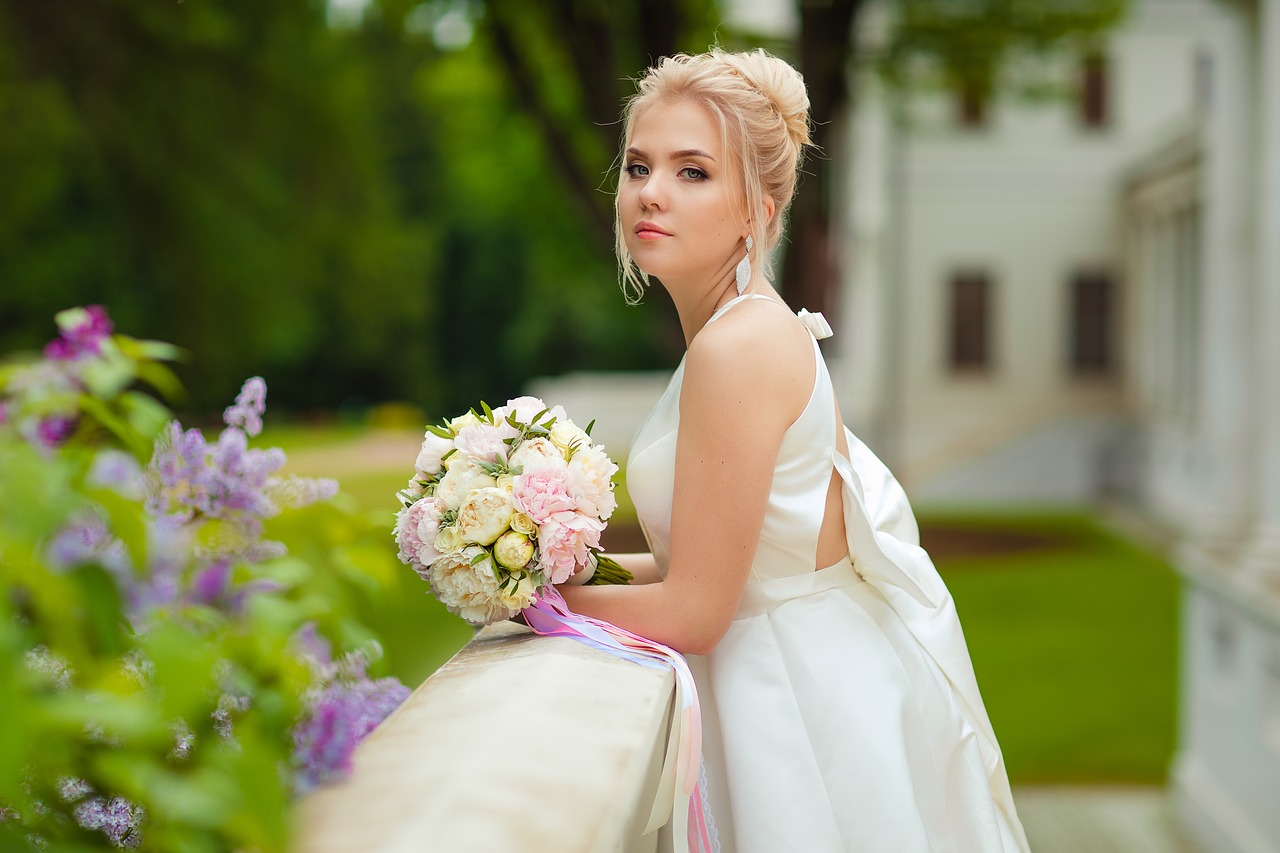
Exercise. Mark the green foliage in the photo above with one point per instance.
(186, 708)
(973, 44)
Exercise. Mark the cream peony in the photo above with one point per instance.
(485, 515)
(535, 453)
(464, 477)
(472, 592)
(591, 482)
(513, 550)
(431, 457)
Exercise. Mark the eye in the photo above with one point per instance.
(637, 170)
(693, 174)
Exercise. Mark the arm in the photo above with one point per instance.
(739, 397)
(641, 565)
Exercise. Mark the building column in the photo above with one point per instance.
(1264, 556)
(1223, 431)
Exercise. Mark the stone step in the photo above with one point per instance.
(1061, 819)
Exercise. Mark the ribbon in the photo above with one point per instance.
(678, 794)
(815, 323)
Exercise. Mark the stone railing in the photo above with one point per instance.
(519, 742)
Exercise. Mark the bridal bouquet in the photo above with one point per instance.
(503, 502)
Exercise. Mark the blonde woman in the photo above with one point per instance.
(840, 709)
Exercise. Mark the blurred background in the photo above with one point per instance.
(1044, 232)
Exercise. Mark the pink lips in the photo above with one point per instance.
(649, 231)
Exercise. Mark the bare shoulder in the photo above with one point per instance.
(756, 353)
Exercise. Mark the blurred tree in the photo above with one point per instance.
(569, 61)
(211, 170)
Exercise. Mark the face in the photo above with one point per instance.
(680, 206)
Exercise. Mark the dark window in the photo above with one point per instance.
(1093, 299)
(970, 321)
(971, 104)
(1094, 105)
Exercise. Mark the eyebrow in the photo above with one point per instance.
(678, 155)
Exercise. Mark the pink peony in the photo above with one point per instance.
(542, 493)
(565, 541)
(416, 529)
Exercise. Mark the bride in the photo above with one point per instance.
(840, 709)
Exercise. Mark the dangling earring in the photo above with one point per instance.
(743, 272)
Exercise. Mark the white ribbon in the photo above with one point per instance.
(815, 323)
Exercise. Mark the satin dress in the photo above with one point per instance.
(840, 711)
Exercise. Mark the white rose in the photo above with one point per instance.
(485, 515)
(536, 453)
(507, 482)
(448, 540)
(591, 482)
(462, 421)
(470, 591)
(566, 434)
(522, 523)
(513, 550)
(463, 478)
(431, 456)
(524, 594)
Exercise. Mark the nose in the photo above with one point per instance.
(652, 193)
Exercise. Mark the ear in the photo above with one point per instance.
(768, 209)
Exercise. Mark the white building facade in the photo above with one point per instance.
(1053, 308)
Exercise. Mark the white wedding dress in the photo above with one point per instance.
(840, 710)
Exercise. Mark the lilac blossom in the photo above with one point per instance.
(119, 472)
(116, 818)
(250, 404)
(338, 718)
(51, 431)
(342, 707)
(82, 331)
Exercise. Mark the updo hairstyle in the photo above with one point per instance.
(762, 107)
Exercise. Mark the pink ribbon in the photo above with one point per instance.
(550, 616)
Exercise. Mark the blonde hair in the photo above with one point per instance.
(762, 107)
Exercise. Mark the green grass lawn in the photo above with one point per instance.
(1075, 649)
(1074, 642)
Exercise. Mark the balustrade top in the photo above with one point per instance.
(519, 742)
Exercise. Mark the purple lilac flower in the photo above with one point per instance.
(340, 716)
(81, 332)
(118, 471)
(73, 788)
(250, 404)
(51, 431)
(211, 582)
(117, 818)
(82, 540)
